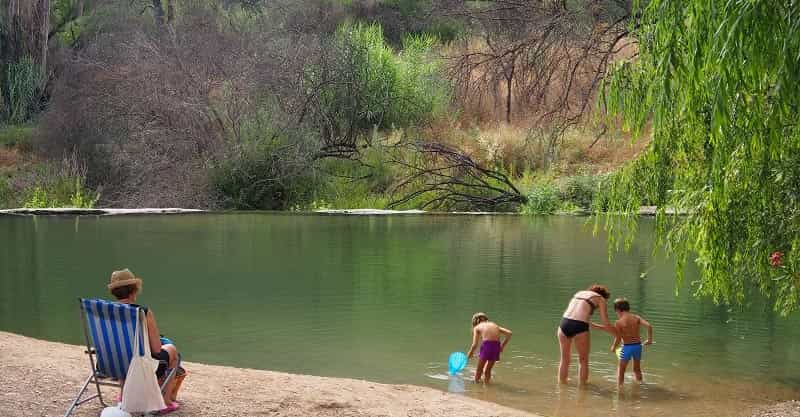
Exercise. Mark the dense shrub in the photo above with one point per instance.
(16, 135)
(7, 196)
(398, 18)
(20, 86)
(262, 176)
(543, 198)
(580, 190)
(371, 86)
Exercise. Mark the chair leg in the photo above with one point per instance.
(80, 393)
(99, 393)
(170, 374)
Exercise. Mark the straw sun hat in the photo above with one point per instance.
(123, 278)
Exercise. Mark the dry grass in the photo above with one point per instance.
(519, 149)
(9, 158)
(609, 154)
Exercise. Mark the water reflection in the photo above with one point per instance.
(387, 299)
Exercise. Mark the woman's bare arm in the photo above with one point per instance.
(604, 312)
(606, 326)
(152, 332)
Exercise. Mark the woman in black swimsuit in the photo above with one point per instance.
(575, 325)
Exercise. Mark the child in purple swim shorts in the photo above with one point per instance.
(491, 347)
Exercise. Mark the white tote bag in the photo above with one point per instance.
(141, 392)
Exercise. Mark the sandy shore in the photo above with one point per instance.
(39, 378)
(786, 409)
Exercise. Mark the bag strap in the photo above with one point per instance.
(141, 332)
(136, 334)
(146, 336)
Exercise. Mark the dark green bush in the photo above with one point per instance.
(543, 198)
(262, 176)
(20, 86)
(16, 135)
(580, 190)
(7, 196)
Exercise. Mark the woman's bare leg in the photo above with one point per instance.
(173, 363)
(582, 344)
(565, 344)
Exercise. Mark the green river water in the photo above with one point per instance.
(388, 298)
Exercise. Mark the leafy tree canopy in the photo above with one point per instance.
(718, 83)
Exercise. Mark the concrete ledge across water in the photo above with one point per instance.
(94, 212)
(71, 211)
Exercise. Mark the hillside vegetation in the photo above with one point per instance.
(308, 104)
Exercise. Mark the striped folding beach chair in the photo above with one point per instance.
(109, 330)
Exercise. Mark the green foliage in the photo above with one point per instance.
(356, 184)
(67, 20)
(543, 198)
(422, 92)
(445, 30)
(425, 19)
(64, 192)
(347, 193)
(374, 87)
(580, 190)
(21, 88)
(266, 168)
(15, 135)
(7, 195)
(547, 195)
(720, 83)
(257, 176)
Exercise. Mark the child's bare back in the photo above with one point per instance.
(627, 328)
(491, 347)
(488, 330)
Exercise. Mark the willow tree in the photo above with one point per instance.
(718, 84)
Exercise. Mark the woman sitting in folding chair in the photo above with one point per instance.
(125, 287)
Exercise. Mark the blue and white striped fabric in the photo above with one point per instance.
(112, 328)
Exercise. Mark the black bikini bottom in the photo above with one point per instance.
(570, 327)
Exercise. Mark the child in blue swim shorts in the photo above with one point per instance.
(628, 333)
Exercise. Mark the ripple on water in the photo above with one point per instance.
(386, 299)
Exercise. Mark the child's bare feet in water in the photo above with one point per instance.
(491, 346)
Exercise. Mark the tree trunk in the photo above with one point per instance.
(43, 15)
(28, 27)
(508, 99)
(13, 38)
(170, 11)
(509, 74)
(158, 13)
